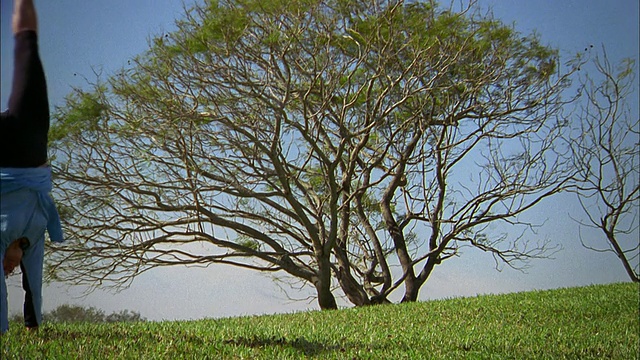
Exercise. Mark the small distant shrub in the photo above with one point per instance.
(79, 314)
(75, 314)
(124, 316)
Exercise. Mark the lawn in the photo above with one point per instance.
(594, 322)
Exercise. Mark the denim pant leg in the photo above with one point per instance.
(4, 305)
(30, 319)
(31, 265)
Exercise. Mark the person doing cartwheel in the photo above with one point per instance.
(26, 207)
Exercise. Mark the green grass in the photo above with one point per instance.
(595, 322)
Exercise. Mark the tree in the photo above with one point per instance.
(124, 316)
(606, 152)
(481, 145)
(76, 313)
(311, 137)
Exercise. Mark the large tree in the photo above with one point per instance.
(326, 139)
(475, 140)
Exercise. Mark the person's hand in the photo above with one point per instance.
(12, 258)
(9, 265)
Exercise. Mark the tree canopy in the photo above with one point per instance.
(334, 141)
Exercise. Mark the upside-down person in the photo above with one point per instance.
(26, 208)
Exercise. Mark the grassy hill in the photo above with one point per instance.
(595, 322)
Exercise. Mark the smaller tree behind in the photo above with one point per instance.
(606, 152)
(124, 316)
(76, 314)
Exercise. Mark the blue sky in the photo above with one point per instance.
(80, 37)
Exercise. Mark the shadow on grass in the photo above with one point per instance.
(127, 336)
(133, 336)
(308, 348)
(119, 334)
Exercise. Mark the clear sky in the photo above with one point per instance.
(80, 37)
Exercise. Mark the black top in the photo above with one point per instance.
(25, 125)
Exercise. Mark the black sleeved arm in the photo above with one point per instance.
(25, 125)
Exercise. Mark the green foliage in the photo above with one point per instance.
(80, 314)
(124, 316)
(248, 243)
(595, 322)
(223, 24)
(82, 112)
(74, 314)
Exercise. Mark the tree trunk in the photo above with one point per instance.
(411, 290)
(351, 288)
(322, 282)
(621, 255)
(411, 293)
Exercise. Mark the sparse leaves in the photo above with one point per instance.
(606, 151)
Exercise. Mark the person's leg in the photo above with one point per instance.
(24, 16)
(25, 124)
(28, 100)
(4, 305)
(30, 319)
(31, 265)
